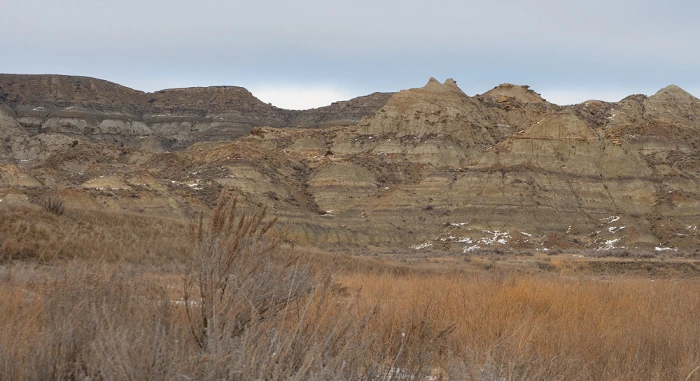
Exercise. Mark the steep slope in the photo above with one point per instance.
(431, 168)
(89, 109)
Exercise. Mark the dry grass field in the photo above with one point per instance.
(99, 296)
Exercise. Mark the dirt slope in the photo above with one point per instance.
(430, 169)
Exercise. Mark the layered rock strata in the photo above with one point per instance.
(432, 168)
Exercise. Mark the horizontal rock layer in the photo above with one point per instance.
(97, 110)
(431, 168)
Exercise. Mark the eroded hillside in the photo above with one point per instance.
(427, 168)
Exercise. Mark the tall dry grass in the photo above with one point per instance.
(525, 327)
(240, 305)
(30, 233)
(84, 320)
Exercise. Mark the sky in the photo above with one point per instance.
(308, 53)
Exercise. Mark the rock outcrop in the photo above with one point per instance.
(89, 109)
(430, 168)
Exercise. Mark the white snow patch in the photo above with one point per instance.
(460, 224)
(471, 248)
(665, 249)
(182, 303)
(615, 229)
(465, 240)
(422, 246)
(526, 234)
(609, 244)
(498, 237)
(610, 219)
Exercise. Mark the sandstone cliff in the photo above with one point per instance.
(431, 168)
(100, 111)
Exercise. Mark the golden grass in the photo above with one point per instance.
(107, 296)
(31, 233)
(539, 326)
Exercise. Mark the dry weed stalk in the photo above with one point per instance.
(239, 274)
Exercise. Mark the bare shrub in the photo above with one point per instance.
(238, 274)
(53, 204)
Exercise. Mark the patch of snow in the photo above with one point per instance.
(170, 116)
(498, 237)
(610, 219)
(422, 246)
(615, 229)
(0, 200)
(465, 240)
(568, 230)
(609, 244)
(665, 249)
(471, 248)
(182, 303)
(530, 235)
(458, 223)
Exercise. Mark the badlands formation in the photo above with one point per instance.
(423, 169)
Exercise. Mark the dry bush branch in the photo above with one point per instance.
(53, 204)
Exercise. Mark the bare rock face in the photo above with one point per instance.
(428, 168)
(89, 109)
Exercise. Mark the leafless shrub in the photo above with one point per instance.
(53, 204)
(238, 274)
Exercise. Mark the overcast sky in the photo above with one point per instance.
(308, 53)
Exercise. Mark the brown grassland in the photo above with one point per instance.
(108, 296)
